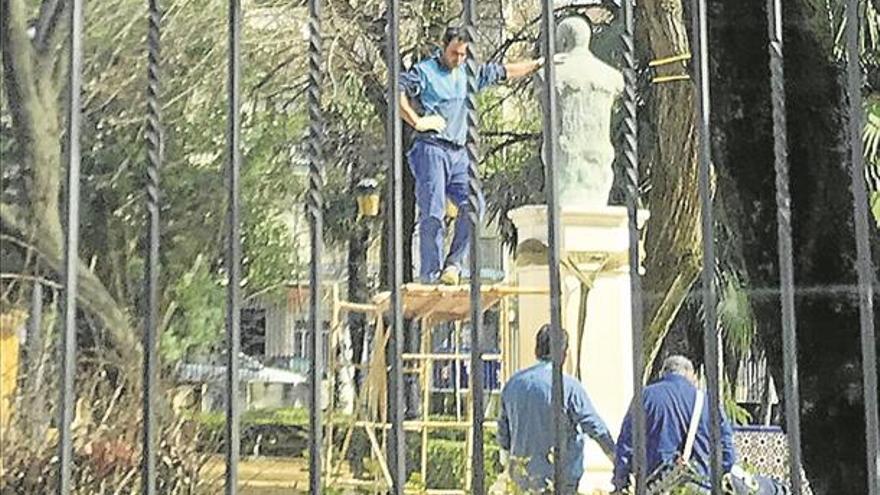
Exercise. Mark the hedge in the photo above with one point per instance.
(283, 432)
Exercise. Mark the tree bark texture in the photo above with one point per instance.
(672, 245)
(32, 88)
(832, 420)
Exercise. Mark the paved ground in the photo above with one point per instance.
(270, 475)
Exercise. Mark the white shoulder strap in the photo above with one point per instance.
(692, 429)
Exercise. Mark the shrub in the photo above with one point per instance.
(447, 460)
(106, 437)
(271, 432)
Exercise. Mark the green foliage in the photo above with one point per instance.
(288, 416)
(686, 491)
(272, 432)
(875, 205)
(201, 299)
(270, 207)
(448, 460)
(194, 195)
(354, 142)
(447, 454)
(872, 129)
(829, 18)
(512, 172)
(872, 146)
(735, 314)
(737, 414)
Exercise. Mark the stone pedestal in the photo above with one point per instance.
(594, 241)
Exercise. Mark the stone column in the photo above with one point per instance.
(595, 251)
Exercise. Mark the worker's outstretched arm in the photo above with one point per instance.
(528, 67)
(515, 70)
(583, 414)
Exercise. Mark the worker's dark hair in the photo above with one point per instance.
(455, 33)
(543, 342)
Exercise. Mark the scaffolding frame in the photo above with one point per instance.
(430, 306)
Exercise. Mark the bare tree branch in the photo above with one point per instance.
(47, 24)
(30, 278)
(93, 295)
(514, 139)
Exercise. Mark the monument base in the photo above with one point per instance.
(596, 309)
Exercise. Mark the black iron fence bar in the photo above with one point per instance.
(710, 330)
(233, 249)
(864, 266)
(478, 476)
(154, 163)
(783, 221)
(631, 167)
(548, 32)
(316, 222)
(396, 446)
(71, 249)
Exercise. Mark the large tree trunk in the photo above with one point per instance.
(672, 245)
(824, 248)
(32, 91)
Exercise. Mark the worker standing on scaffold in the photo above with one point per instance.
(433, 102)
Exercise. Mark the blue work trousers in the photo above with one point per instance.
(440, 170)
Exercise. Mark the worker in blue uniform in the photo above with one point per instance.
(669, 404)
(433, 103)
(525, 427)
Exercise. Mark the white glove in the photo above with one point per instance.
(430, 123)
(504, 457)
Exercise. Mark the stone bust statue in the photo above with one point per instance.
(586, 91)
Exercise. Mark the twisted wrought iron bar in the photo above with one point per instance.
(478, 475)
(151, 320)
(396, 446)
(71, 249)
(316, 221)
(554, 228)
(631, 168)
(783, 229)
(711, 337)
(864, 266)
(233, 248)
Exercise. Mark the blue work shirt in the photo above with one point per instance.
(669, 403)
(525, 428)
(434, 89)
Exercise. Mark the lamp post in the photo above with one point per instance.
(367, 195)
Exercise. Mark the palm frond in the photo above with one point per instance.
(875, 206)
(735, 314)
(834, 14)
(872, 141)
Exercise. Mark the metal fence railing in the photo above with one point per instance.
(396, 446)
(783, 218)
(71, 247)
(864, 265)
(711, 336)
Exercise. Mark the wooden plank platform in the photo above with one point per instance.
(443, 303)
